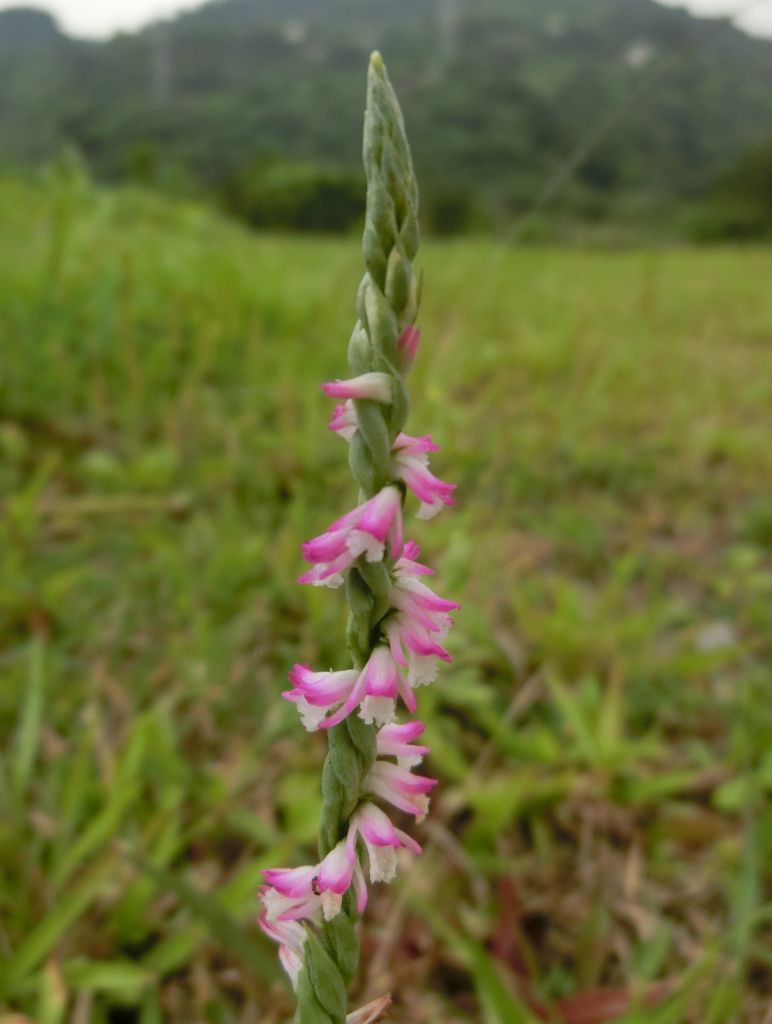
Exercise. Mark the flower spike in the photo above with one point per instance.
(397, 624)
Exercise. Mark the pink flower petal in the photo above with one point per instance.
(377, 387)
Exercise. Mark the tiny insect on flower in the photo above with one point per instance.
(295, 893)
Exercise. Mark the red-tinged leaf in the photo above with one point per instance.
(509, 943)
(606, 1005)
(507, 935)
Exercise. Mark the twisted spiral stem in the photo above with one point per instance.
(387, 303)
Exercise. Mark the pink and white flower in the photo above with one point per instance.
(291, 937)
(366, 530)
(410, 462)
(400, 787)
(413, 598)
(376, 386)
(409, 636)
(291, 883)
(413, 647)
(336, 874)
(295, 893)
(375, 691)
(420, 621)
(407, 347)
(408, 565)
(344, 420)
(300, 905)
(318, 693)
(381, 839)
(324, 699)
(397, 740)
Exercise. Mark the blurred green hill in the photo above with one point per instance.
(499, 94)
(740, 204)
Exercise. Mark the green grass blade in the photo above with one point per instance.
(28, 736)
(117, 977)
(48, 933)
(499, 1001)
(221, 925)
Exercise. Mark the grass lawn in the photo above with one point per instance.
(602, 834)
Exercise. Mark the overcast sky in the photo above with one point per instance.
(101, 17)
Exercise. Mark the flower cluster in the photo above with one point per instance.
(406, 653)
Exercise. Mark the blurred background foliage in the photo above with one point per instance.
(601, 845)
(257, 107)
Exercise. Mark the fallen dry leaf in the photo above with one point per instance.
(605, 1005)
(371, 1012)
